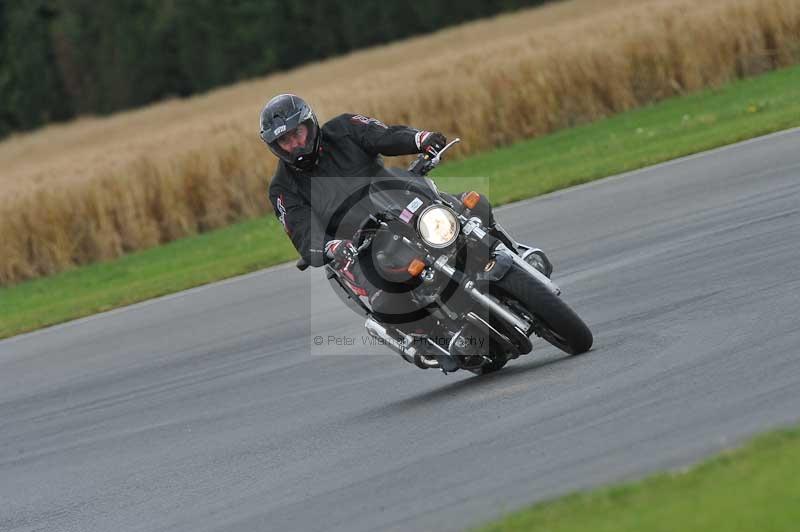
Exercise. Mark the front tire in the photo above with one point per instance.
(555, 321)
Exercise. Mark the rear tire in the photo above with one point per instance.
(557, 322)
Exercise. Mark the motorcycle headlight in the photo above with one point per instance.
(438, 226)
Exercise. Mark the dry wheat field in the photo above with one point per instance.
(96, 188)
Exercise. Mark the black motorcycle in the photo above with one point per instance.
(481, 294)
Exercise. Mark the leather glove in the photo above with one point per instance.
(341, 252)
(430, 142)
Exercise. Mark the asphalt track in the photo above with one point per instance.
(212, 410)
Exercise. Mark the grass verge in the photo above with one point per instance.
(170, 268)
(671, 129)
(752, 488)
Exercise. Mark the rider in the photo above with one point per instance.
(321, 169)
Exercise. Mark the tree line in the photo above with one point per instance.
(63, 58)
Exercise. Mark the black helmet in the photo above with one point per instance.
(283, 114)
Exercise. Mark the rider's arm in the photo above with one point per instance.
(377, 138)
(299, 223)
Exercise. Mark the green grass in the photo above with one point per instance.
(176, 266)
(673, 128)
(755, 488)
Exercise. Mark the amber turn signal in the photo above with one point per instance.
(471, 199)
(415, 267)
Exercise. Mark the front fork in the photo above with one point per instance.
(473, 229)
(485, 300)
(501, 253)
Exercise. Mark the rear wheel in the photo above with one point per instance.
(553, 319)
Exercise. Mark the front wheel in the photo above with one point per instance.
(553, 319)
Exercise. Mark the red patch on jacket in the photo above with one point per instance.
(361, 119)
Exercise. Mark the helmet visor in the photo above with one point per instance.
(296, 144)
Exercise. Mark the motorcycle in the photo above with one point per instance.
(483, 294)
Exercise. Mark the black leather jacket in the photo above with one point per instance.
(318, 205)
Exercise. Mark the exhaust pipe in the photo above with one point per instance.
(402, 346)
(405, 348)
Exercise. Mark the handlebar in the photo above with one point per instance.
(424, 164)
(421, 166)
(302, 265)
(447, 146)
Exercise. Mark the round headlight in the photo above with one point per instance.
(438, 226)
